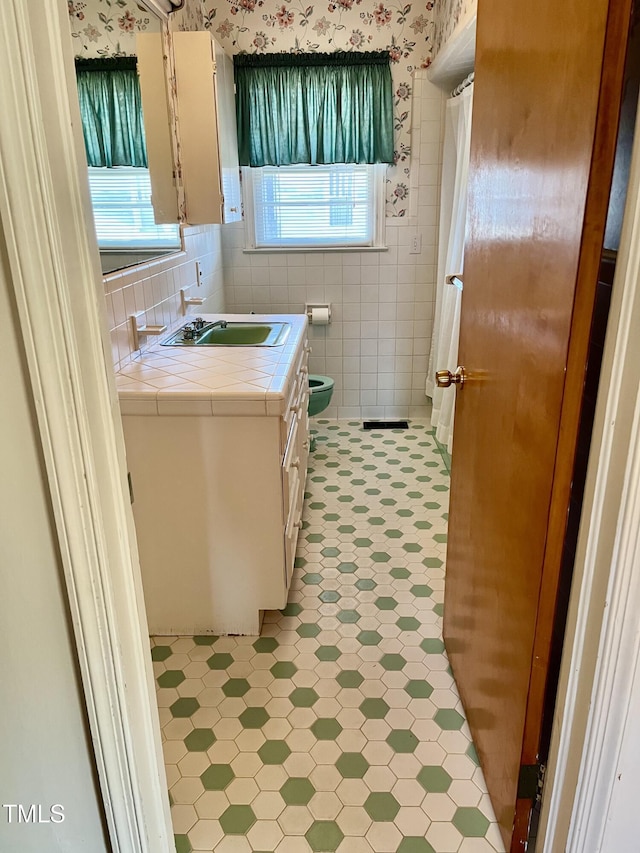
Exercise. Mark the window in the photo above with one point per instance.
(123, 212)
(318, 207)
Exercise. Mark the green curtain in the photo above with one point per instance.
(111, 112)
(314, 108)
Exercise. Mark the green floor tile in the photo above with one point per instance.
(369, 638)
(381, 806)
(266, 645)
(434, 779)
(297, 791)
(161, 653)
(205, 639)
(393, 663)
(418, 689)
(449, 719)
(374, 709)
(183, 845)
(470, 822)
(326, 728)
(199, 740)
(349, 678)
(331, 653)
(303, 697)
(274, 752)
(171, 678)
(253, 718)
(216, 777)
(220, 661)
(324, 836)
(237, 820)
(408, 623)
(348, 617)
(185, 707)
(236, 687)
(432, 646)
(352, 765)
(283, 669)
(308, 629)
(415, 844)
(402, 740)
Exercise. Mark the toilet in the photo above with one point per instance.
(320, 393)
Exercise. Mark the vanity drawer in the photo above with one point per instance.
(298, 398)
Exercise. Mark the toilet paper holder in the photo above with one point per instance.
(310, 306)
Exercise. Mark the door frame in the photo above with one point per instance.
(602, 639)
(58, 288)
(57, 282)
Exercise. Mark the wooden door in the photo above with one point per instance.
(546, 99)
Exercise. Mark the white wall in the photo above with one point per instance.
(155, 288)
(45, 752)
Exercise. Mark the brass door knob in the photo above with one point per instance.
(445, 378)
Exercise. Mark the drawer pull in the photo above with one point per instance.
(296, 464)
(294, 408)
(298, 523)
(305, 445)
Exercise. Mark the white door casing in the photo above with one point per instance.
(58, 290)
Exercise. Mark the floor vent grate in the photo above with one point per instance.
(385, 425)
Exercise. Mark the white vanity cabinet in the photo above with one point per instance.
(218, 507)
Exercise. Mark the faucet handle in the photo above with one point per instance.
(198, 324)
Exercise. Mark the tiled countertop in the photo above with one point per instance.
(213, 380)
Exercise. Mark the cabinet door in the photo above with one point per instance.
(198, 127)
(155, 111)
(206, 129)
(227, 137)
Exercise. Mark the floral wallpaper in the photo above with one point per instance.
(107, 27)
(404, 29)
(447, 14)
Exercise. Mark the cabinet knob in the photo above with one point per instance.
(233, 209)
(296, 464)
(298, 523)
(294, 408)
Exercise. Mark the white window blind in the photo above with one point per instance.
(314, 206)
(123, 213)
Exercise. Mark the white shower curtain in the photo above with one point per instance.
(453, 211)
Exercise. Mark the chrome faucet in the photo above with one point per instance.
(192, 331)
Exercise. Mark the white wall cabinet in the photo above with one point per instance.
(204, 105)
(218, 507)
(206, 117)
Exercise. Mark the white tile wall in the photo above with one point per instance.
(155, 288)
(377, 345)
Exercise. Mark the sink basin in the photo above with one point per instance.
(235, 334)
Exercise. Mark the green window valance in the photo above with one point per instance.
(111, 111)
(314, 108)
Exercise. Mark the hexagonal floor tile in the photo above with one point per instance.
(324, 835)
(381, 806)
(297, 791)
(352, 765)
(237, 820)
(216, 777)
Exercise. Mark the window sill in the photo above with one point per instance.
(307, 249)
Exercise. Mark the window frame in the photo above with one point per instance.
(378, 201)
